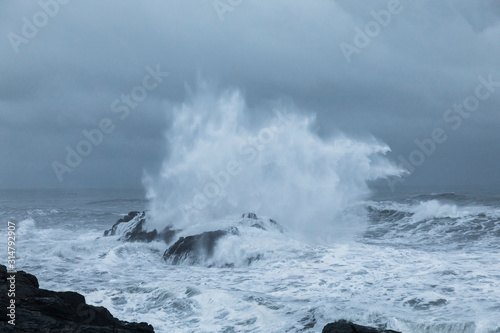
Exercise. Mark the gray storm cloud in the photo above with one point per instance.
(409, 68)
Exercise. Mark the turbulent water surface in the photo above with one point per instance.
(417, 260)
(423, 263)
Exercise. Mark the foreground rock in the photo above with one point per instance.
(343, 326)
(40, 310)
(131, 229)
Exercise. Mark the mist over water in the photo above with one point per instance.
(219, 164)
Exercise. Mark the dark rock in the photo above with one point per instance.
(343, 326)
(250, 216)
(253, 221)
(195, 249)
(131, 226)
(258, 226)
(166, 235)
(40, 310)
(127, 218)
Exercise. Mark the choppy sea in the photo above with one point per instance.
(414, 261)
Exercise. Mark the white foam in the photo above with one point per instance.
(285, 169)
(26, 227)
(436, 209)
(289, 285)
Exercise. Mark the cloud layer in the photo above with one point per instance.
(63, 69)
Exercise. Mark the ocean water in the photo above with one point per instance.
(423, 262)
(416, 260)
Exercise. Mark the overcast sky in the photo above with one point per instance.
(62, 65)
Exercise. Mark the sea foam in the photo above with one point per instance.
(219, 163)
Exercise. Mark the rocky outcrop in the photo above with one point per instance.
(252, 220)
(196, 249)
(127, 218)
(40, 310)
(343, 326)
(130, 227)
(252, 216)
(199, 249)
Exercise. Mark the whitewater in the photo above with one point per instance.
(328, 241)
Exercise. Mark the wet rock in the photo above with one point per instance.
(196, 249)
(252, 220)
(40, 310)
(130, 227)
(249, 216)
(343, 326)
(134, 227)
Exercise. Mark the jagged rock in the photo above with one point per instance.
(131, 229)
(195, 249)
(258, 226)
(250, 216)
(252, 220)
(344, 326)
(127, 218)
(40, 310)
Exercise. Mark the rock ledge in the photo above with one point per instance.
(344, 326)
(40, 310)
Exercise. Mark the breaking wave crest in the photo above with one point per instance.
(220, 164)
(434, 223)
